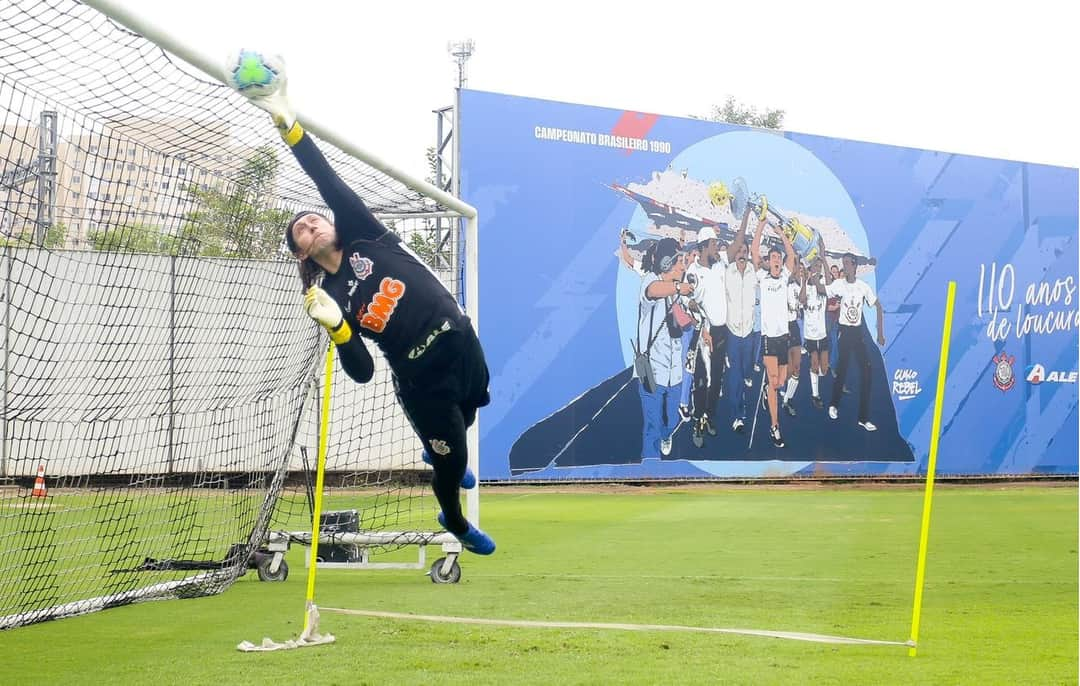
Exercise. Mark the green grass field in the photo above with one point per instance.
(1000, 604)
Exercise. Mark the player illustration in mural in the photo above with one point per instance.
(659, 344)
(854, 293)
(774, 274)
(832, 318)
(795, 342)
(814, 299)
(683, 334)
(694, 337)
(710, 295)
(741, 286)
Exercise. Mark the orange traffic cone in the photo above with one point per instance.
(39, 484)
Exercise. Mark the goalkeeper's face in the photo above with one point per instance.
(314, 236)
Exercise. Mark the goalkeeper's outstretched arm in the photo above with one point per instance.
(352, 217)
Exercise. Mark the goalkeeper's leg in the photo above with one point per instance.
(449, 461)
(441, 427)
(467, 481)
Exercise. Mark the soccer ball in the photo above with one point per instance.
(255, 73)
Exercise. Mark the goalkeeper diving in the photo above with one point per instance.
(360, 280)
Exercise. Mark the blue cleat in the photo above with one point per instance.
(474, 540)
(467, 482)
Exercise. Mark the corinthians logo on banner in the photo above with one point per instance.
(1004, 378)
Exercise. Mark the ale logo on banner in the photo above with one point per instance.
(1036, 374)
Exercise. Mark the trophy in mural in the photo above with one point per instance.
(804, 238)
(679, 206)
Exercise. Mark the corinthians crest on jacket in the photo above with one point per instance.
(361, 266)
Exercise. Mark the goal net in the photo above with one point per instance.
(160, 382)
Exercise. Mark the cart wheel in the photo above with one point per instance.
(264, 570)
(451, 577)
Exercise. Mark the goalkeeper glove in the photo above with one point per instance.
(277, 105)
(763, 212)
(321, 307)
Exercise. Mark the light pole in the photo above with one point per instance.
(461, 51)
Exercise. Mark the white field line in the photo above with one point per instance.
(527, 624)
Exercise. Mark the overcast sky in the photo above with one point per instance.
(985, 78)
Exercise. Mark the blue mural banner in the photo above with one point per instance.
(665, 297)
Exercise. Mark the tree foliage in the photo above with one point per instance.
(140, 238)
(734, 112)
(425, 245)
(55, 236)
(425, 242)
(237, 220)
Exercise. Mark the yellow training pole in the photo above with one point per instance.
(324, 434)
(931, 467)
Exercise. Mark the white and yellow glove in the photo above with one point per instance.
(321, 307)
(763, 211)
